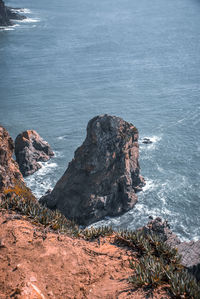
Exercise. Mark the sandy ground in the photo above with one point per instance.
(36, 264)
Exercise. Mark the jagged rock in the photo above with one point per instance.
(30, 149)
(190, 251)
(147, 140)
(103, 177)
(7, 14)
(4, 19)
(9, 170)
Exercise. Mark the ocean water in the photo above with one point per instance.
(72, 60)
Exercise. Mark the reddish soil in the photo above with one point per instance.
(37, 264)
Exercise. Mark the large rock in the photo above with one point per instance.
(9, 170)
(189, 251)
(4, 19)
(30, 149)
(103, 177)
(7, 14)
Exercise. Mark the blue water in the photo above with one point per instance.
(139, 60)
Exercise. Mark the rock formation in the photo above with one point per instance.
(6, 15)
(103, 177)
(9, 170)
(190, 251)
(30, 149)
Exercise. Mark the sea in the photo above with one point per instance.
(71, 60)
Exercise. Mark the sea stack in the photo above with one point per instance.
(30, 149)
(103, 178)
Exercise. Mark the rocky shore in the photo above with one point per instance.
(7, 15)
(93, 263)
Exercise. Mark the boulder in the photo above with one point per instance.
(30, 149)
(189, 251)
(9, 169)
(103, 178)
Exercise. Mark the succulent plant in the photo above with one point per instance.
(158, 264)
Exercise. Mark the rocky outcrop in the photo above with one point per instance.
(9, 170)
(7, 14)
(190, 251)
(103, 177)
(4, 19)
(30, 149)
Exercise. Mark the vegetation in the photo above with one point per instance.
(20, 199)
(157, 263)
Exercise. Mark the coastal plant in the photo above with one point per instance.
(158, 265)
(94, 233)
(27, 205)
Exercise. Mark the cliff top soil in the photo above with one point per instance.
(37, 264)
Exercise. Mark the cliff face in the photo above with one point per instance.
(9, 170)
(103, 177)
(4, 18)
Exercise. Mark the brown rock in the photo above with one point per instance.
(103, 177)
(9, 170)
(30, 149)
(189, 251)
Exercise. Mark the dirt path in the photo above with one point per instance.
(35, 264)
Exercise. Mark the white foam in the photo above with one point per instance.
(38, 182)
(62, 137)
(150, 185)
(28, 20)
(21, 10)
(154, 139)
(58, 154)
(8, 28)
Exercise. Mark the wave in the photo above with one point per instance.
(28, 20)
(21, 10)
(41, 180)
(8, 28)
(149, 186)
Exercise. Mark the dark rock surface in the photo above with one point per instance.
(147, 140)
(103, 177)
(30, 149)
(190, 251)
(7, 14)
(9, 170)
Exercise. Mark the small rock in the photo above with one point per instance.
(147, 140)
(30, 149)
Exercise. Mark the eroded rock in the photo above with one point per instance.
(103, 177)
(30, 149)
(9, 170)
